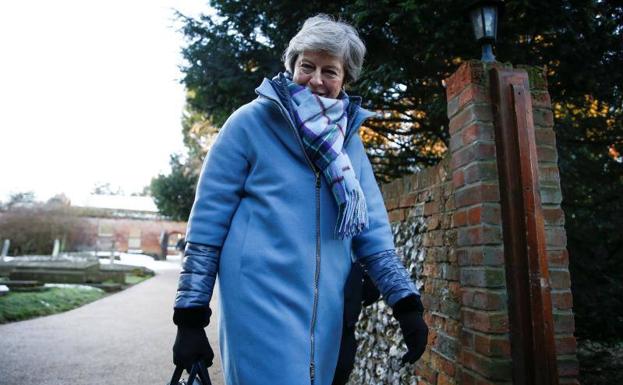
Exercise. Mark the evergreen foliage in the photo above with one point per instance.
(174, 193)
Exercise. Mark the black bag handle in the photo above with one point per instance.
(198, 369)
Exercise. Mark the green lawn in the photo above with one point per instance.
(17, 306)
(132, 279)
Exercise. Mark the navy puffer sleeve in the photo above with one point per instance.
(198, 276)
(374, 247)
(389, 276)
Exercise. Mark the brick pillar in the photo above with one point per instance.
(484, 356)
(485, 344)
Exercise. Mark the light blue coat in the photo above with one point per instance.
(281, 270)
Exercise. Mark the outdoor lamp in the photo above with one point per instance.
(484, 17)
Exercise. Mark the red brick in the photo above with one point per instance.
(541, 99)
(474, 93)
(467, 339)
(543, 117)
(558, 258)
(547, 154)
(444, 365)
(549, 174)
(565, 345)
(484, 299)
(467, 378)
(555, 237)
(428, 318)
(492, 346)
(454, 290)
(480, 171)
(477, 132)
(408, 201)
(479, 235)
(481, 255)
(553, 216)
(452, 328)
(397, 215)
(433, 238)
(468, 73)
(424, 370)
(431, 207)
(545, 137)
(563, 322)
(458, 179)
(459, 218)
(482, 276)
(486, 322)
(559, 279)
(492, 369)
(469, 115)
(472, 153)
(391, 203)
(489, 214)
(568, 366)
(444, 379)
(476, 193)
(562, 300)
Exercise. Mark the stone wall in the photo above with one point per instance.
(447, 225)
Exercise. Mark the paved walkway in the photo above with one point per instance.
(125, 338)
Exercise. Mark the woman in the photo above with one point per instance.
(286, 200)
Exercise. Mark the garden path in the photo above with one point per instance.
(124, 338)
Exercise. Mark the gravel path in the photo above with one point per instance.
(124, 338)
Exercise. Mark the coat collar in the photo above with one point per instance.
(357, 114)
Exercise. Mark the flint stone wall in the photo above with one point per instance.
(420, 211)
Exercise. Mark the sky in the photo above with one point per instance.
(89, 93)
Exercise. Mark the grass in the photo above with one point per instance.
(17, 306)
(132, 279)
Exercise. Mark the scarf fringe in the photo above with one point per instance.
(352, 217)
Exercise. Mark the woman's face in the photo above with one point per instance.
(322, 73)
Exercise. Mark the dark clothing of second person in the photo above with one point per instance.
(359, 290)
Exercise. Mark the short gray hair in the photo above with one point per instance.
(337, 38)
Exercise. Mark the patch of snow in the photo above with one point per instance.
(72, 286)
(149, 262)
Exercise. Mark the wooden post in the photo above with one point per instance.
(527, 276)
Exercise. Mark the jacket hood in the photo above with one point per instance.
(275, 89)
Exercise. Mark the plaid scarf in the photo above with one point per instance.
(322, 123)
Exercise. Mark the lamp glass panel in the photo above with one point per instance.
(476, 17)
(490, 16)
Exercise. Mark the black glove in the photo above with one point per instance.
(408, 311)
(191, 343)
